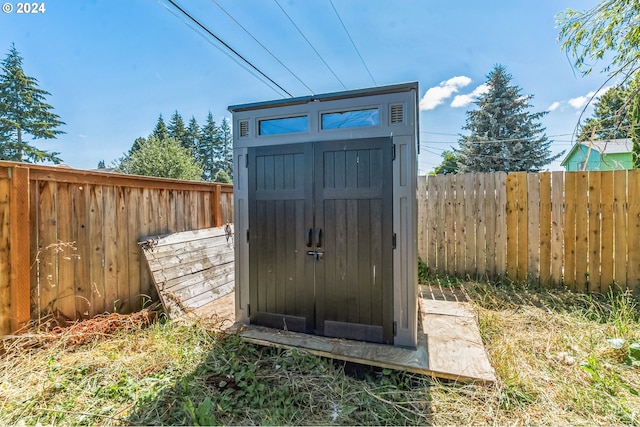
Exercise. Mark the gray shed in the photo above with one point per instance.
(325, 214)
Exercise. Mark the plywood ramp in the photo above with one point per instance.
(192, 270)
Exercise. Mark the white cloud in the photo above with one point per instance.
(553, 106)
(436, 95)
(464, 100)
(581, 101)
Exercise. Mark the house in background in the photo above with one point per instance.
(610, 154)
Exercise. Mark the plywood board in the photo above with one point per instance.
(190, 276)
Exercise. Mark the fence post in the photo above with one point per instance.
(20, 240)
(217, 205)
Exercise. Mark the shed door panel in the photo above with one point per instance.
(281, 275)
(354, 210)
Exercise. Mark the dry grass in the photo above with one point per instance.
(551, 352)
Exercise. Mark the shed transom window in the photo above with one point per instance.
(350, 119)
(283, 125)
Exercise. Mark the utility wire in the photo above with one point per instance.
(352, 42)
(310, 44)
(226, 45)
(263, 46)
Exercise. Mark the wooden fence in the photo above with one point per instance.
(69, 238)
(574, 229)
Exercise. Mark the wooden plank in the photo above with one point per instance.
(570, 229)
(46, 263)
(557, 224)
(96, 256)
(620, 227)
(481, 222)
(533, 228)
(168, 251)
(190, 235)
(450, 224)
(633, 237)
(469, 222)
(20, 256)
(82, 280)
(501, 224)
(545, 228)
(122, 247)
(113, 303)
(214, 276)
(522, 206)
(491, 207)
(593, 267)
(432, 224)
(145, 224)
(512, 226)
(133, 250)
(217, 206)
(66, 281)
(5, 256)
(423, 218)
(441, 227)
(460, 204)
(582, 230)
(607, 236)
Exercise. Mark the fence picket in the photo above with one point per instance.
(620, 205)
(557, 230)
(544, 236)
(607, 236)
(582, 230)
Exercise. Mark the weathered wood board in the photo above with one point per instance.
(192, 269)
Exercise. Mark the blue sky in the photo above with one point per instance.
(112, 66)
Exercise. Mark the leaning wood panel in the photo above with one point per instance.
(620, 232)
(545, 228)
(582, 230)
(5, 244)
(570, 229)
(512, 227)
(633, 242)
(433, 223)
(557, 224)
(66, 281)
(533, 220)
(480, 216)
(607, 237)
(501, 224)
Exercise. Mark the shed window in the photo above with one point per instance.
(283, 125)
(350, 119)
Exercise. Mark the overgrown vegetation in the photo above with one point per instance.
(560, 358)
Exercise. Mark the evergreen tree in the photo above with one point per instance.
(610, 117)
(160, 131)
(23, 111)
(222, 177)
(209, 148)
(164, 158)
(505, 136)
(192, 136)
(101, 165)
(226, 155)
(176, 129)
(136, 144)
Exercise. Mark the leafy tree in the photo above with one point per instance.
(209, 148)
(635, 131)
(610, 116)
(449, 164)
(223, 177)
(160, 131)
(611, 27)
(23, 111)
(162, 158)
(504, 135)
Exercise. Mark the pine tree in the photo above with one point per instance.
(160, 131)
(610, 116)
(505, 136)
(176, 129)
(226, 155)
(192, 136)
(208, 148)
(23, 111)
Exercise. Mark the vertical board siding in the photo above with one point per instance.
(575, 229)
(83, 230)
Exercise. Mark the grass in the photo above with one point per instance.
(560, 358)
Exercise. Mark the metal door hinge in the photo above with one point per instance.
(248, 310)
(246, 161)
(394, 241)
(395, 328)
(247, 235)
(393, 152)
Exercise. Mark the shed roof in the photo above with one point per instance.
(603, 146)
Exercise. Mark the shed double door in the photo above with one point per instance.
(321, 238)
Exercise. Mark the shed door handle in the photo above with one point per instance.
(318, 237)
(307, 239)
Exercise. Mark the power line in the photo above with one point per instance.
(310, 44)
(352, 42)
(263, 46)
(226, 45)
